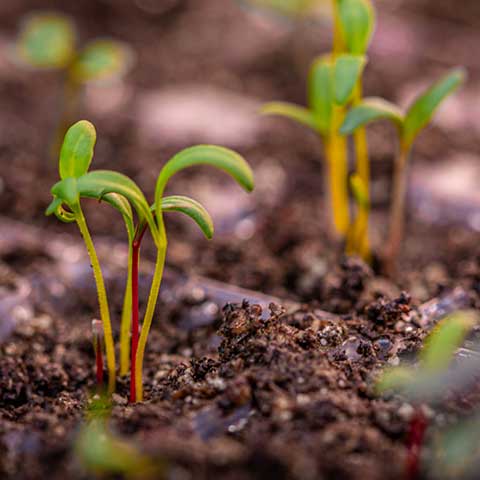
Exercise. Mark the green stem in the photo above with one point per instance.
(397, 209)
(147, 320)
(102, 297)
(126, 319)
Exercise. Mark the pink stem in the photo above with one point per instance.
(416, 435)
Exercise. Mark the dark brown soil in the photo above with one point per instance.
(248, 391)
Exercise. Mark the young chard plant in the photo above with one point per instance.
(426, 382)
(335, 81)
(331, 84)
(408, 125)
(48, 41)
(124, 195)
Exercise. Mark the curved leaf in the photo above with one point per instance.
(369, 110)
(321, 93)
(56, 208)
(123, 206)
(46, 40)
(102, 60)
(294, 112)
(422, 110)
(445, 339)
(192, 208)
(348, 70)
(100, 183)
(77, 150)
(357, 21)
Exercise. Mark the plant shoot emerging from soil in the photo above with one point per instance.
(48, 41)
(408, 126)
(125, 196)
(334, 83)
(426, 382)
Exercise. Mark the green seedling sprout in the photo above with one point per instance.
(425, 382)
(124, 195)
(330, 87)
(48, 41)
(408, 126)
(97, 334)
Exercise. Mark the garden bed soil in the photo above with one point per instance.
(277, 390)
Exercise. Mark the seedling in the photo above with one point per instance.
(125, 196)
(48, 41)
(334, 83)
(425, 383)
(291, 8)
(408, 126)
(97, 333)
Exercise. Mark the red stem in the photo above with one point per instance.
(416, 435)
(135, 322)
(99, 362)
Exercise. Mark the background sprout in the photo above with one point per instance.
(331, 85)
(409, 125)
(358, 230)
(426, 383)
(48, 40)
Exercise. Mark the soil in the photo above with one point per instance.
(279, 385)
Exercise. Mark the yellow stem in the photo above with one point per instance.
(397, 209)
(126, 321)
(102, 297)
(147, 320)
(338, 43)
(363, 171)
(336, 153)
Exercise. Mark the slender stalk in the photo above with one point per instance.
(363, 171)
(135, 307)
(97, 332)
(102, 297)
(416, 435)
(336, 153)
(126, 321)
(338, 43)
(397, 210)
(147, 321)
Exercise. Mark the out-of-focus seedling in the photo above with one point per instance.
(408, 126)
(97, 334)
(290, 8)
(124, 195)
(331, 84)
(48, 41)
(425, 383)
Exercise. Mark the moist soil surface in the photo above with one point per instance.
(232, 390)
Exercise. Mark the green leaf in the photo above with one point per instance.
(192, 208)
(77, 150)
(369, 110)
(289, 110)
(357, 21)
(359, 192)
(102, 60)
(99, 184)
(445, 339)
(394, 379)
(121, 204)
(321, 93)
(67, 191)
(422, 110)
(46, 40)
(348, 70)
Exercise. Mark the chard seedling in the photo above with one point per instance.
(332, 81)
(425, 383)
(48, 41)
(125, 196)
(408, 126)
(97, 333)
(335, 82)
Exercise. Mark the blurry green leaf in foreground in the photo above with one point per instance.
(100, 452)
(46, 40)
(102, 60)
(357, 20)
